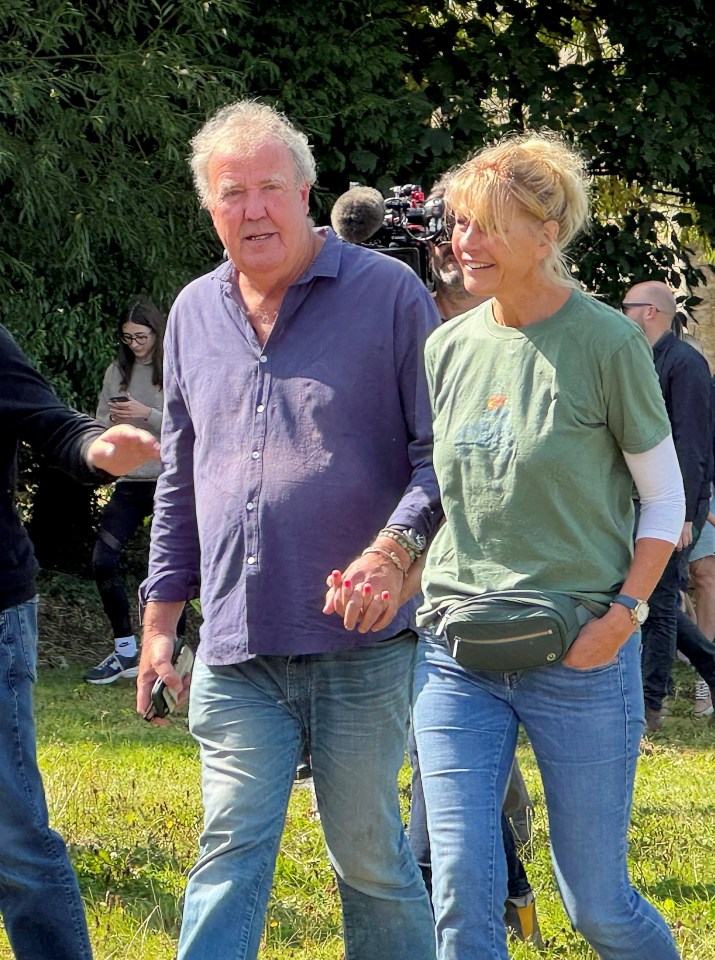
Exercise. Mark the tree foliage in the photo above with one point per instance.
(99, 101)
(628, 81)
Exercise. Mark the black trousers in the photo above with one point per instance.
(130, 504)
(668, 629)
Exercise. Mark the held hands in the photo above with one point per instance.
(600, 640)
(122, 449)
(131, 409)
(367, 594)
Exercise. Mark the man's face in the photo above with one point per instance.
(445, 268)
(259, 211)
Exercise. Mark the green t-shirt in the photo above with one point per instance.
(529, 425)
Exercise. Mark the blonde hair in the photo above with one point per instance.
(242, 127)
(536, 173)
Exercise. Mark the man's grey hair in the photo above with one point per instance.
(241, 127)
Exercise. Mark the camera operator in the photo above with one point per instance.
(450, 295)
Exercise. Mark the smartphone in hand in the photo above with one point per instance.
(119, 399)
(163, 698)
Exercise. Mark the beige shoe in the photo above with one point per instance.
(703, 706)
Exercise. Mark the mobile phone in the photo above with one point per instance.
(119, 399)
(163, 698)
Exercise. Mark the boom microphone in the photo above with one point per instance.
(358, 214)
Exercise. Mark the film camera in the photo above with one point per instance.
(399, 225)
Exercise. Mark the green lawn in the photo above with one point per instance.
(126, 797)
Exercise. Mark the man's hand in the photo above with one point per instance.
(367, 594)
(686, 537)
(122, 449)
(158, 642)
(126, 410)
(600, 640)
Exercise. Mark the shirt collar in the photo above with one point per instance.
(663, 341)
(326, 264)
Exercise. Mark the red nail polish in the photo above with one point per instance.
(367, 588)
(347, 583)
(385, 594)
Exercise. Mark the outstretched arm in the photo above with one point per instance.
(122, 449)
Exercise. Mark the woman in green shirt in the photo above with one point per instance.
(546, 411)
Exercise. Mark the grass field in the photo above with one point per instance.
(126, 798)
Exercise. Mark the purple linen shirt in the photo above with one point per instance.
(282, 463)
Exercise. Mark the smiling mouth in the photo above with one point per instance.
(477, 266)
(259, 236)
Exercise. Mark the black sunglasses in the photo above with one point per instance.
(625, 306)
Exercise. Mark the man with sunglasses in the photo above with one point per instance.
(685, 381)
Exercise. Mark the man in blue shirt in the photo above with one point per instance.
(296, 442)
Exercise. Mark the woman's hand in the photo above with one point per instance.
(600, 640)
(366, 595)
(130, 409)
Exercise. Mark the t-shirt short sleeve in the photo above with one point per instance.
(635, 409)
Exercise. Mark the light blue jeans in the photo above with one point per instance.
(585, 728)
(251, 721)
(39, 896)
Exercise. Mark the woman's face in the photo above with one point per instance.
(492, 267)
(141, 340)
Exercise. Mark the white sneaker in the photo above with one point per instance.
(703, 700)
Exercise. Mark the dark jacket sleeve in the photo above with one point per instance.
(31, 412)
(690, 411)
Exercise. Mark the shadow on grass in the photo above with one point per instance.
(138, 878)
(671, 888)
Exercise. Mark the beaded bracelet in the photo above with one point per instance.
(401, 541)
(390, 556)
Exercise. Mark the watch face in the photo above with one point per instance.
(420, 540)
(642, 610)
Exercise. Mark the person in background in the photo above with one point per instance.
(39, 896)
(702, 581)
(685, 382)
(546, 410)
(131, 393)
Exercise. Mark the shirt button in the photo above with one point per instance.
(250, 505)
(260, 408)
(255, 454)
(250, 560)
(263, 358)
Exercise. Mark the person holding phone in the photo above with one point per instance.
(131, 393)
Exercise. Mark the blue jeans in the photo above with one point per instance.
(518, 882)
(39, 896)
(585, 728)
(252, 721)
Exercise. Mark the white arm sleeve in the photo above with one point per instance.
(659, 483)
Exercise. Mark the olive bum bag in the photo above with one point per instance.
(514, 629)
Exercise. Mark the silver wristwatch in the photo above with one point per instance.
(408, 538)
